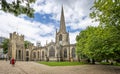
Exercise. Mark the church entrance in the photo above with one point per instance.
(19, 55)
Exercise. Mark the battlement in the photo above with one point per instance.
(16, 36)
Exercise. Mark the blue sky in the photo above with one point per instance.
(47, 19)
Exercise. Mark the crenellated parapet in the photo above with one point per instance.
(16, 36)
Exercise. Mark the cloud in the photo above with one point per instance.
(76, 16)
(32, 30)
(73, 36)
(82, 24)
(74, 10)
(54, 6)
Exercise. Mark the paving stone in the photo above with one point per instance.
(22, 67)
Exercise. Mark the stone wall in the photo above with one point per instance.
(16, 46)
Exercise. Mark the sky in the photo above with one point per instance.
(46, 20)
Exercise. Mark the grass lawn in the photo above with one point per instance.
(105, 63)
(62, 63)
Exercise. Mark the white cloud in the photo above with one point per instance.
(32, 30)
(73, 37)
(82, 24)
(75, 8)
(74, 11)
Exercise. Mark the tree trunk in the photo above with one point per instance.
(78, 59)
(93, 61)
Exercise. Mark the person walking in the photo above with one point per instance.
(12, 61)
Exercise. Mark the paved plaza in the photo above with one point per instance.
(35, 68)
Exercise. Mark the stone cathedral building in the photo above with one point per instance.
(60, 50)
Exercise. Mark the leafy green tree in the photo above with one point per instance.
(99, 43)
(17, 8)
(5, 45)
(26, 43)
(102, 42)
(107, 12)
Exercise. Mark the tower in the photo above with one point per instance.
(62, 37)
(16, 46)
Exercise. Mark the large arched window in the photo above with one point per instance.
(60, 37)
(73, 52)
(52, 52)
(65, 53)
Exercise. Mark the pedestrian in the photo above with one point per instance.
(12, 61)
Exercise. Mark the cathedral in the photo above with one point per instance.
(60, 50)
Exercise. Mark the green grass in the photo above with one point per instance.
(117, 64)
(106, 63)
(62, 63)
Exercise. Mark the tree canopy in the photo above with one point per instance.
(17, 8)
(26, 43)
(106, 11)
(102, 42)
(5, 45)
(99, 43)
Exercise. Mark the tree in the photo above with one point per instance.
(26, 43)
(99, 43)
(5, 45)
(17, 8)
(106, 11)
(102, 42)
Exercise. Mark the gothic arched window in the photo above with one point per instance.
(65, 53)
(73, 52)
(52, 52)
(60, 37)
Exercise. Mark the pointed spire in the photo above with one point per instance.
(62, 22)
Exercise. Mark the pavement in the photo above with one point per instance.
(22, 67)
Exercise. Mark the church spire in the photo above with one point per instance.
(62, 22)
